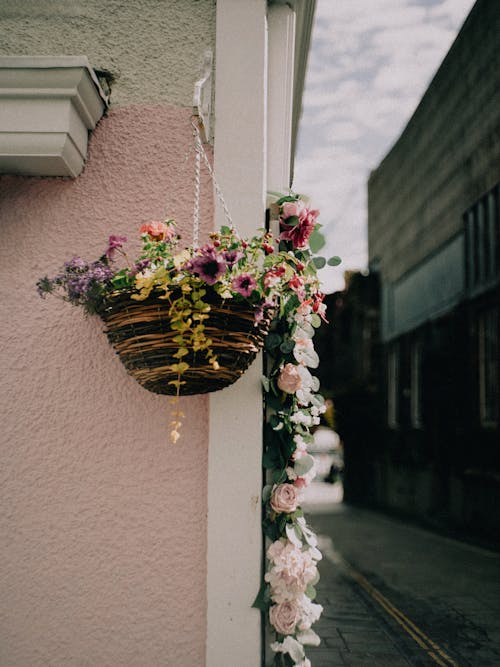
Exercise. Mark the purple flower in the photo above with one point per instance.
(232, 256)
(139, 266)
(244, 284)
(209, 266)
(114, 243)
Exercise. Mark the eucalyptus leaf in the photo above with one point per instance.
(316, 240)
(319, 262)
(273, 340)
(315, 320)
(303, 465)
(287, 346)
(334, 261)
(311, 592)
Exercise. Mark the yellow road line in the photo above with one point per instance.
(410, 628)
(432, 649)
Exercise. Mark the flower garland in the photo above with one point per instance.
(294, 408)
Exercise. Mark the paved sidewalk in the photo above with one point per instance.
(395, 594)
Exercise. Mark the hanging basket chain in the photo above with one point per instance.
(196, 210)
(200, 153)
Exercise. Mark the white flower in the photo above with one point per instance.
(309, 614)
(303, 663)
(301, 417)
(309, 637)
(291, 646)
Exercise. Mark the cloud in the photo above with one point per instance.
(369, 65)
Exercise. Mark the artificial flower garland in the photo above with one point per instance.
(294, 407)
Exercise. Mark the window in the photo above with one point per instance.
(393, 387)
(489, 367)
(482, 239)
(416, 384)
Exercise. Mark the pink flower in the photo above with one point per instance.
(292, 209)
(284, 617)
(300, 482)
(158, 231)
(289, 379)
(114, 243)
(244, 284)
(284, 499)
(298, 234)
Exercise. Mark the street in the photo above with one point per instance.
(395, 594)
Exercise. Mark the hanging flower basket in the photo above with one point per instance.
(141, 334)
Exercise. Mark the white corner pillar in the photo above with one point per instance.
(235, 432)
(280, 91)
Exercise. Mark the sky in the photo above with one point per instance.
(369, 64)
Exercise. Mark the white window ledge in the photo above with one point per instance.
(47, 107)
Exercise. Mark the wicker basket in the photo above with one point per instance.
(140, 333)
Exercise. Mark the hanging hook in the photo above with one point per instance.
(202, 98)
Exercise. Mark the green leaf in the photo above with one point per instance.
(334, 261)
(265, 383)
(315, 320)
(316, 240)
(279, 476)
(273, 340)
(266, 492)
(319, 262)
(287, 346)
(303, 465)
(311, 592)
(263, 598)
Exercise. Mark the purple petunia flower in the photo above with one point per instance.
(209, 266)
(232, 256)
(244, 284)
(139, 266)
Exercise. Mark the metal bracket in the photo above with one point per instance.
(202, 98)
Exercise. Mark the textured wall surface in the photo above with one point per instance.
(153, 48)
(103, 521)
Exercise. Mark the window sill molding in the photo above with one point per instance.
(48, 105)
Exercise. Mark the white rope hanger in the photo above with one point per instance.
(199, 155)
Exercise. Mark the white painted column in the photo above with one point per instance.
(281, 56)
(235, 431)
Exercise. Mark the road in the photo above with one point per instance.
(395, 594)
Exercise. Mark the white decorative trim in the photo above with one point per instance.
(235, 435)
(47, 107)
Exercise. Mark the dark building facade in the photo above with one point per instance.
(434, 236)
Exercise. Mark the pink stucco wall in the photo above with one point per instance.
(103, 520)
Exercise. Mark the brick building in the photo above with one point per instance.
(434, 236)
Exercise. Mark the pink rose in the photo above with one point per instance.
(284, 499)
(284, 617)
(299, 234)
(289, 379)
